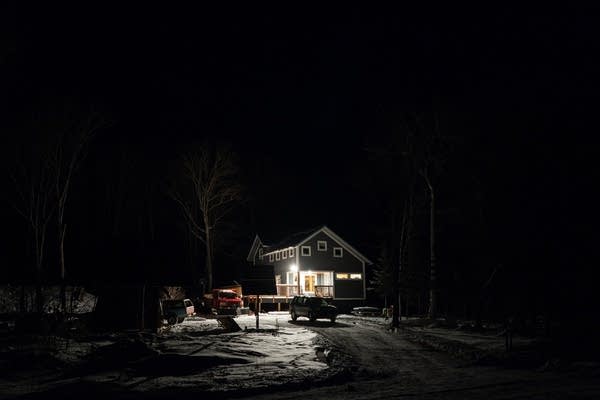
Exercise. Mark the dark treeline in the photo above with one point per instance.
(515, 191)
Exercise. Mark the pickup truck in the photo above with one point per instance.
(175, 311)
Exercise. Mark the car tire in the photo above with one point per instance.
(312, 317)
(172, 319)
(294, 316)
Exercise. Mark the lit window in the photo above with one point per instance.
(291, 252)
(284, 254)
(321, 245)
(345, 275)
(306, 250)
(271, 257)
(278, 256)
(338, 252)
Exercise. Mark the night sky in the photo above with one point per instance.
(300, 92)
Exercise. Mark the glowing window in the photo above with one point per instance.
(348, 276)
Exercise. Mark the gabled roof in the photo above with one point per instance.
(255, 244)
(299, 238)
(293, 239)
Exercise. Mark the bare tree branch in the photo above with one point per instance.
(211, 177)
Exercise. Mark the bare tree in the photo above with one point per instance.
(73, 132)
(417, 149)
(34, 202)
(400, 219)
(211, 189)
(427, 151)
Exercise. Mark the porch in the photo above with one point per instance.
(285, 293)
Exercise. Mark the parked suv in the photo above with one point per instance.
(175, 311)
(312, 308)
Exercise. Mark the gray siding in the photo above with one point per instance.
(348, 289)
(324, 260)
(281, 267)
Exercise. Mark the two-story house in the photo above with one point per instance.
(316, 262)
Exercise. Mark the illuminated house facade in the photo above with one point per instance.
(316, 263)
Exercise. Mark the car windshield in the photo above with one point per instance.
(228, 295)
(319, 302)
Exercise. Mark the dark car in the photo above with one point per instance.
(312, 308)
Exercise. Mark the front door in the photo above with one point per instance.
(309, 283)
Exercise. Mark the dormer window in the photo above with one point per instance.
(305, 251)
(338, 252)
(321, 245)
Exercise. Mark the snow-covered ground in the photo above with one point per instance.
(356, 357)
(196, 354)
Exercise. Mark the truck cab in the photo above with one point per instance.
(226, 301)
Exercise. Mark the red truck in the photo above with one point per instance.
(226, 301)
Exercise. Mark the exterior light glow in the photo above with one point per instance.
(293, 267)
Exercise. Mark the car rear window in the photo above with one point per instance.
(174, 303)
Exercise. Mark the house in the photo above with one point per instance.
(317, 262)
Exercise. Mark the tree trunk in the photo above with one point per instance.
(432, 271)
(62, 229)
(209, 266)
(39, 301)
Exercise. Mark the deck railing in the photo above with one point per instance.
(290, 290)
(287, 290)
(323, 290)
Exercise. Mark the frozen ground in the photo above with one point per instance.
(196, 354)
(354, 358)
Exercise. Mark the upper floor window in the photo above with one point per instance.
(291, 251)
(278, 256)
(338, 252)
(271, 257)
(284, 254)
(321, 245)
(305, 251)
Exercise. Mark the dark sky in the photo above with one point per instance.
(300, 91)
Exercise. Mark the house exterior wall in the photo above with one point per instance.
(321, 260)
(324, 260)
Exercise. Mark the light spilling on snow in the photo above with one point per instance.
(259, 358)
(197, 353)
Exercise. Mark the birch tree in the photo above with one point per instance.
(209, 191)
(33, 201)
(72, 134)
